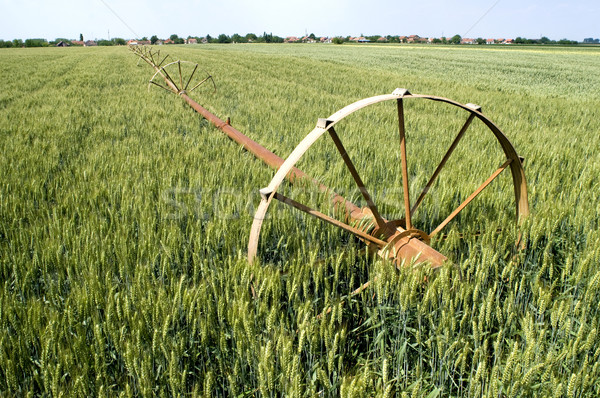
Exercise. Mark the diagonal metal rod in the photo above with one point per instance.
(356, 176)
(442, 163)
(175, 88)
(180, 76)
(190, 79)
(199, 84)
(161, 86)
(161, 62)
(471, 197)
(330, 220)
(405, 184)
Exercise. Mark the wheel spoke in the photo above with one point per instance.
(442, 163)
(405, 184)
(164, 59)
(159, 85)
(180, 76)
(471, 197)
(330, 220)
(356, 176)
(190, 79)
(202, 82)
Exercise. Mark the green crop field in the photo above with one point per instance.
(125, 217)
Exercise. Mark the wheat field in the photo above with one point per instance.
(124, 221)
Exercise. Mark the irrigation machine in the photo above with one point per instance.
(397, 240)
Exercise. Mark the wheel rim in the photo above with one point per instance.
(390, 237)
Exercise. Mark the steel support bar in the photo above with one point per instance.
(471, 197)
(330, 220)
(443, 162)
(405, 183)
(357, 179)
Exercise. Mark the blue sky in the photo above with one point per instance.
(555, 19)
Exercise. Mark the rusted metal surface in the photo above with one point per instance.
(397, 240)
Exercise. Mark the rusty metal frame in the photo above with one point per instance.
(396, 240)
(401, 236)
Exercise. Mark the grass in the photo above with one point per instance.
(124, 220)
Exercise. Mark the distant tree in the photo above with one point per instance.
(238, 39)
(437, 41)
(153, 39)
(520, 40)
(251, 37)
(36, 43)
(17, 43)
(480, 40)
(567, 41)
(338, 40)
(144, 38)
(444, 40)
(209, 39)
(174, 37)
(312, 36)
(455, 39)
(223, 38)
(106, 43)
(545, 40)
(81, 37)
(119, 42)
(373, 38)
(6, 44)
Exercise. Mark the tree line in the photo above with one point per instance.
(18, 43)
(543, 40)
(223, 38)
(271, 38)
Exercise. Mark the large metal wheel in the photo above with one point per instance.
(397, 239)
